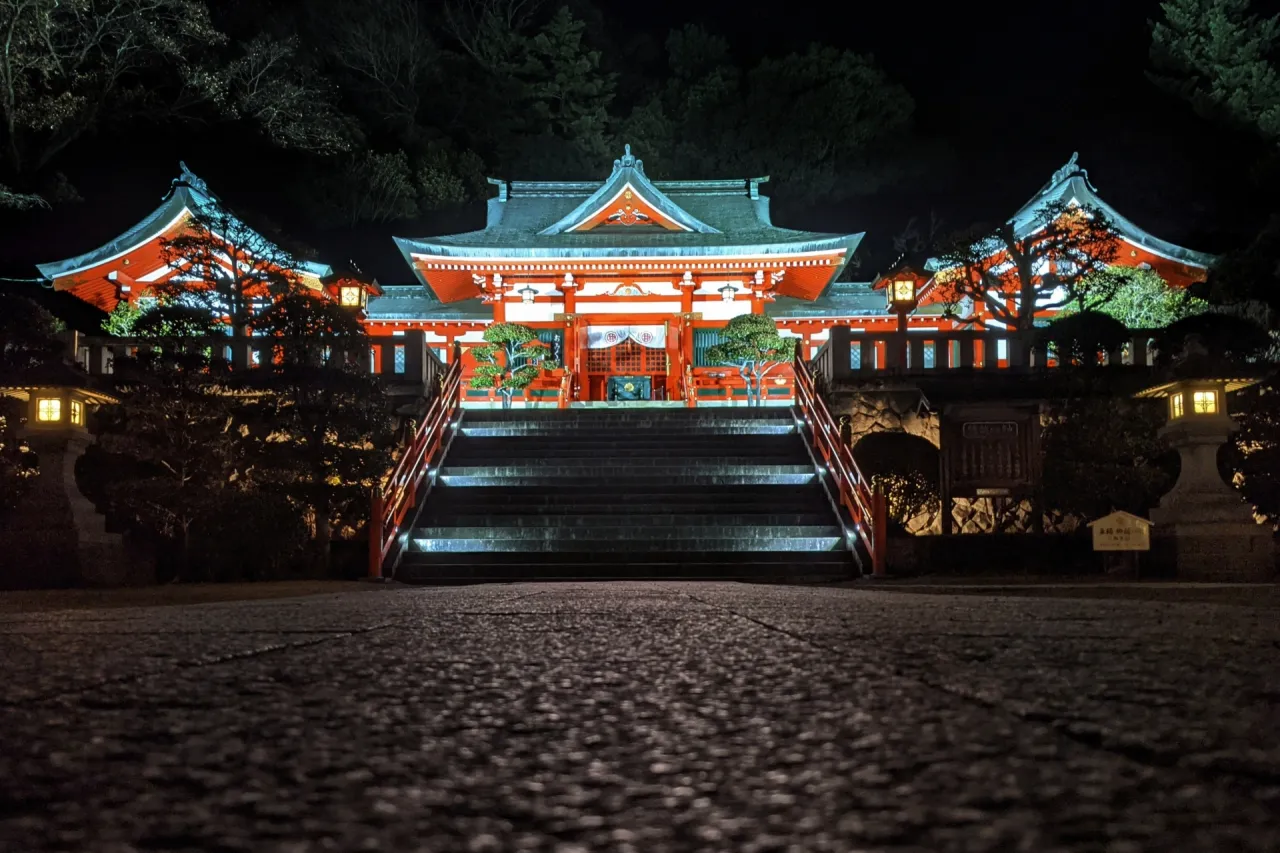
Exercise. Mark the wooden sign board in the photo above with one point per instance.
(1121, 531)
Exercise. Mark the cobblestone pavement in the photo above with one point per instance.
(642, 717)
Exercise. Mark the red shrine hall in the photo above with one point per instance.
(626, 281)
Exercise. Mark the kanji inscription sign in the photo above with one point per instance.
(1121, 531)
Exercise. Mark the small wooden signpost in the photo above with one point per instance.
(1121, 537)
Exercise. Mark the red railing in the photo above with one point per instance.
(393, 499)
(866, 507)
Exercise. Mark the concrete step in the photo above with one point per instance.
(574, 445)
(623, 413)
(814, 566)
(614, 430)
(631, 520)
(624, 480)
(488, 543)
(639, 498)
(611, 529)
(620, 463)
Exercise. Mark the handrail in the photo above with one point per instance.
(866, 507)
(393, 499)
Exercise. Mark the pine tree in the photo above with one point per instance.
(751, 343)
(509, 361)
(1217, 55)
(563, 128)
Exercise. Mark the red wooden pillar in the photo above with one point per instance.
(375, 535)
(879, 533)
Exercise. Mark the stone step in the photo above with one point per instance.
(603, 497)
(741, 566)
(620, 529)
(632, 520)
(624, 480)
(620, 463)
(648, 430)
(712, 444)
(623, 413)
(487, 543)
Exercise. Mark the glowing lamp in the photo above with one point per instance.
(48, 409)
(901, 294)
(1192, 400)
(351, 296)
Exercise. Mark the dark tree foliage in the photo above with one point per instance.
(904, 467)
(1080, 338)
(74, 67)
(1101, 453)
(1015, 277)
(28, 334)
(28, 338)
(225, 267)
(1254, 454)
(838, 108)
(176, 424)
(1218, 55)
(393, 108)
(316, 428)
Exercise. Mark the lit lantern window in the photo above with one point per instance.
(1175, 405)
(77, 413)
(349, 297)
(48, 409)
(904, 290)
(1204, 402)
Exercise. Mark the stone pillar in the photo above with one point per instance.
(1202, 528)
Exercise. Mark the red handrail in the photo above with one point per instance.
(393, 498)
(866, 507)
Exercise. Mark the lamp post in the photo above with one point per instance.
(901, 295)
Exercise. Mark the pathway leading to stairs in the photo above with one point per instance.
(641, 717)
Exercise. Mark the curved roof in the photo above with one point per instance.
(186, 194)
(1071, 184)
(537, 220)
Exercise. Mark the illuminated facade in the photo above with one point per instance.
(626, 280)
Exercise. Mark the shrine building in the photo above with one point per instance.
(626, 280)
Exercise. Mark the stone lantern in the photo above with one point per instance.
(1203, 528)
(56, 535)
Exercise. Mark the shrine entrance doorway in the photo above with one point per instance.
(627, 363)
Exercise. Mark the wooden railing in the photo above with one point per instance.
(400, 361)
(848, 354)
(867, 509)
(393, 499)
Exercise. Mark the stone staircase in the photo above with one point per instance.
(626, 493)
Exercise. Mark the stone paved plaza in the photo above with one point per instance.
(642, 717)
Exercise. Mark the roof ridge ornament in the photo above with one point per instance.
(188, 178)
(1068, 171)
(629, 160)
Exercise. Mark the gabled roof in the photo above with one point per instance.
(187, 194)
(548, 221)
(633, 195)
(1071, 185)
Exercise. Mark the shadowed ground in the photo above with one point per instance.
(645, 717)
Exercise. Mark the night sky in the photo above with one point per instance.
(1005, 92)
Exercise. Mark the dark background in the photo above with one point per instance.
(1004, 92)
